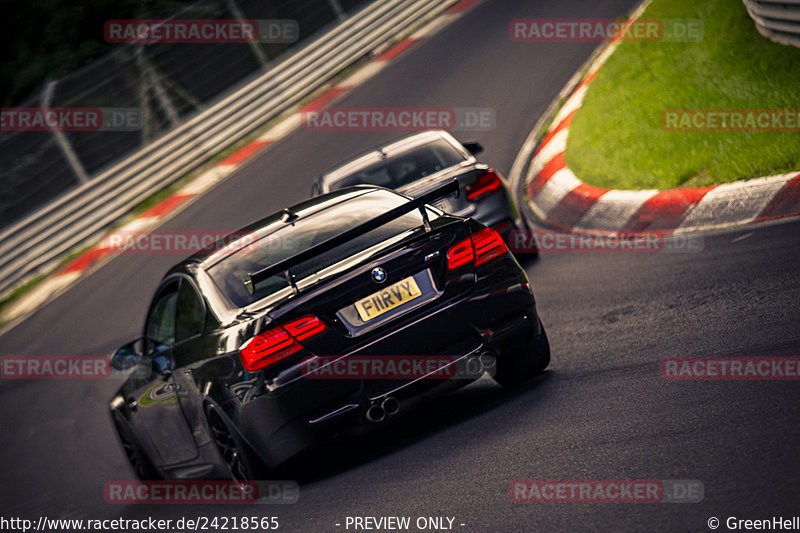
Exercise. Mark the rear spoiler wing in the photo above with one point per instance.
(447, 188)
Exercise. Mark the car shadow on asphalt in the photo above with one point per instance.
(438, 414)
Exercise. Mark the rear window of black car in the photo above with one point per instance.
(231, 274)
(404, 168)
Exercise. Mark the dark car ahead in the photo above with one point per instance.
(417, 162)
(230, 376)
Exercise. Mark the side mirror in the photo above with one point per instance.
(473, 147)
(128, 356)
(162, 365)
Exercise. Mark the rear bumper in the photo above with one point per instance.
(470, 333)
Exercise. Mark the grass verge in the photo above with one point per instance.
(617, 141)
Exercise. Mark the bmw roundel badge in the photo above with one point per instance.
(378, 275)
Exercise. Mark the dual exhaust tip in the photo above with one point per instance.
(377, 412)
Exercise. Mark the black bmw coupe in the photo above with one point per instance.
(249, 350)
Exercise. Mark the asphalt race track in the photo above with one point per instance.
(602, 411)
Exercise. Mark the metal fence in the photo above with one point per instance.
(195, 99)
(164, 82)
(778, 21)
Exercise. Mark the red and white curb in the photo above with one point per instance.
(62, 279)
(559, 199)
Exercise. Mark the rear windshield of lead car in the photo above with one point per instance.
(401, 169)
(230, 273)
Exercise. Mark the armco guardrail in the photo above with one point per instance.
(778, 21)
(145, 89)
(33, 244)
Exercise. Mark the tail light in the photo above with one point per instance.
(478, 248)
(502, 226)
(487, 183)
(460, 254)
(269, 347)
(488, 245)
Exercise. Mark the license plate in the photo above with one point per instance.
(387, 299)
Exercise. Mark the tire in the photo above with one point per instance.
(525, 255)
(514, 370)
(235, 462)
(140, 464)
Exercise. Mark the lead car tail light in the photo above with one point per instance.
(478, 248)
(274, 344)
(487, 183)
